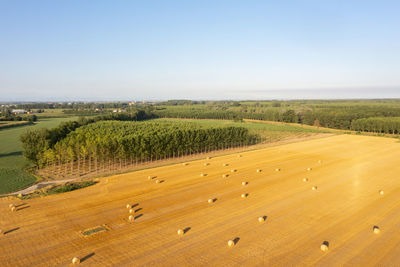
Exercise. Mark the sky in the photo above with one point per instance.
(207, 49)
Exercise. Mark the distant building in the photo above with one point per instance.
(18, 111)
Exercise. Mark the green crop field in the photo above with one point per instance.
(259, 127)
(52, 113)
(269, 131)
(12, 163)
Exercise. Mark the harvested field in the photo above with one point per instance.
(299, 222)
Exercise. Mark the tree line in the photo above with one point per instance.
(388, 125)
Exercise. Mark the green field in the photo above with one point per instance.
(268, 130)
(12, 124)
(52, 113)
(12, 163)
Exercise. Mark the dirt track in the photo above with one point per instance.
(342, 211)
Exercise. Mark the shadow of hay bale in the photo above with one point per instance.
(87, 256)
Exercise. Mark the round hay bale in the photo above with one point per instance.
(314, 187)
(225, 175)
(208, 158)
(305, 179)
(76, 260)
(231, 243)
(324, 247)
(277, 169)
(128, 206)
(1, 231)
(185, 164)
(233, 170)
(131, 218)
(225, 164)
(376, 230)
(261, 219)
(19, 195)
(244, 183)
(239, 156)
(309, 169)
(244, 195)
(206, 164)
(11, 205)
(381, 192)
(210, 201)
(157, 181)
(131, 211)
(258, 170)
(180, 232)
(319, 161)
(202, 174)
(13, 209)
(149, 177)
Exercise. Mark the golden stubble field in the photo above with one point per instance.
(343, 210)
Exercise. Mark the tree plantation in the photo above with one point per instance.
(388, 125)
(105, 144)
(36, 141)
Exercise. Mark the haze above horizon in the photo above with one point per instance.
(208, 50)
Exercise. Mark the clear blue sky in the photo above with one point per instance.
(154, 50)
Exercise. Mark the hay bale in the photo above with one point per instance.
(1, 231)
(376, 229)
(157, 181)
(19, 195)
(225, 175)
(225, 164)
(76, 260)
(208, 158)
(309, 169)
(206, 164)
(233, 170)
(261, 219)
(319, 161)
(231, 243)
(258, 170)
(314, 187)
(11, 205)
(325, 246)
(239, 156)
(149, 177)
(277, 169)
(210, 201)
(244, 195)
(185, 164)
(131, 211)
(131, 218)
(244, 183)
(180, 232)
(13, 209)
(305, 179)
(381, 192)
(128, 206)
